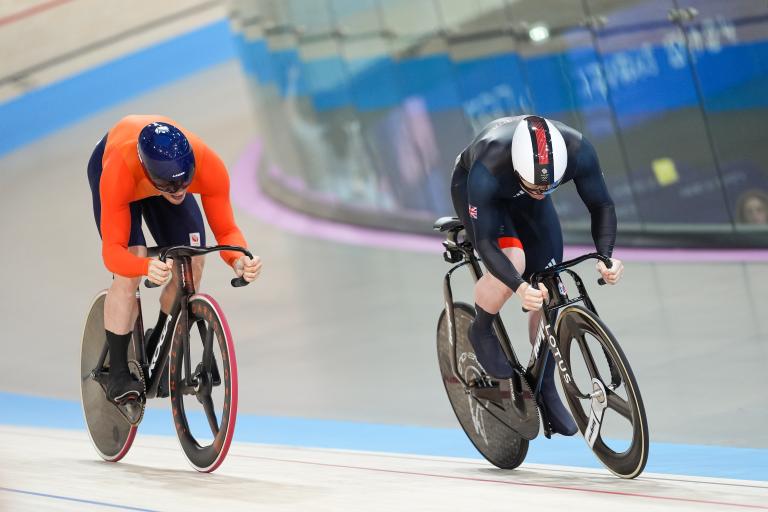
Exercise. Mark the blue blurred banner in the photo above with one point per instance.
(372, 121)
(645, 81)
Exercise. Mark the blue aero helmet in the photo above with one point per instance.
(166, 157)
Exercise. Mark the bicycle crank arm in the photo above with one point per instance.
(596, 413)
(188, 390)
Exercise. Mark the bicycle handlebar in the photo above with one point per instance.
(187, 250)
(556, 269)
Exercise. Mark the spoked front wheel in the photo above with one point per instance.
(602, 392)
(486, 423)
(203, 381)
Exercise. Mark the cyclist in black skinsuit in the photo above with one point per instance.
(500, 189)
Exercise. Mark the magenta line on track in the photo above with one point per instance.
(31, 11)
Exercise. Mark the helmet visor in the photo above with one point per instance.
(542, 190)
(170, 187)
(183, 178)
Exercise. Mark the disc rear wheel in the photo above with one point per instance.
(110, 432)
(486, 424)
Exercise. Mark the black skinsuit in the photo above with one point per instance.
(498, 213)
(484, 180)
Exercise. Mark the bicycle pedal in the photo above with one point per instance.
(132, 409)
(127, 398)
(484, 382)
(494, 391)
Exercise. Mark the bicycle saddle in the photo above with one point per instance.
(448, 224)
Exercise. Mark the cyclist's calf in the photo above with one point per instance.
(120, 309)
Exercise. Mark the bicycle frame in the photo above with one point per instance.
(182, 256)
(462, 253)
(178, 318)
(178, 312)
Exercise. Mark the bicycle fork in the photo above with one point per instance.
(598, 396)
(546, 346)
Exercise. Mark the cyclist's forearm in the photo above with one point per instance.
(120, 261)
(604, 228)
(218, 210)
(591, 186)
(234, 237)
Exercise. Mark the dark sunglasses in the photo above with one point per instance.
(533, 189)
(170, 187)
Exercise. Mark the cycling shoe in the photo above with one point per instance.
(489, 353)
(123, 387)
(559, 417)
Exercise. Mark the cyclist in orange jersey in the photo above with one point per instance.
(147, 165)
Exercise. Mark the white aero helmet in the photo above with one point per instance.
(539, 156)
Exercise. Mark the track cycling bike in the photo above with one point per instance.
(197, 345)
(501, 417)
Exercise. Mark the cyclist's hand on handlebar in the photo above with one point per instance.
(247, 268)
(613, 274)
(159, 272)
(532, 298)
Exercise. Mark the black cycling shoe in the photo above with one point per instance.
(123, 387)
(560, 418)
(489, 353)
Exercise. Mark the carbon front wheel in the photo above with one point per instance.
(203, 382)
(110, 432)
(486, 424)
(602, 392)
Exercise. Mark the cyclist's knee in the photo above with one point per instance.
(489, 287)
(124, 287)
(198, 264)
(503, 290)
(517, 257)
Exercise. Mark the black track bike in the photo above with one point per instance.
(501, 417)
(202, 374)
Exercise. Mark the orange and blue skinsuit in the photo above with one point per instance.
(119, 185)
